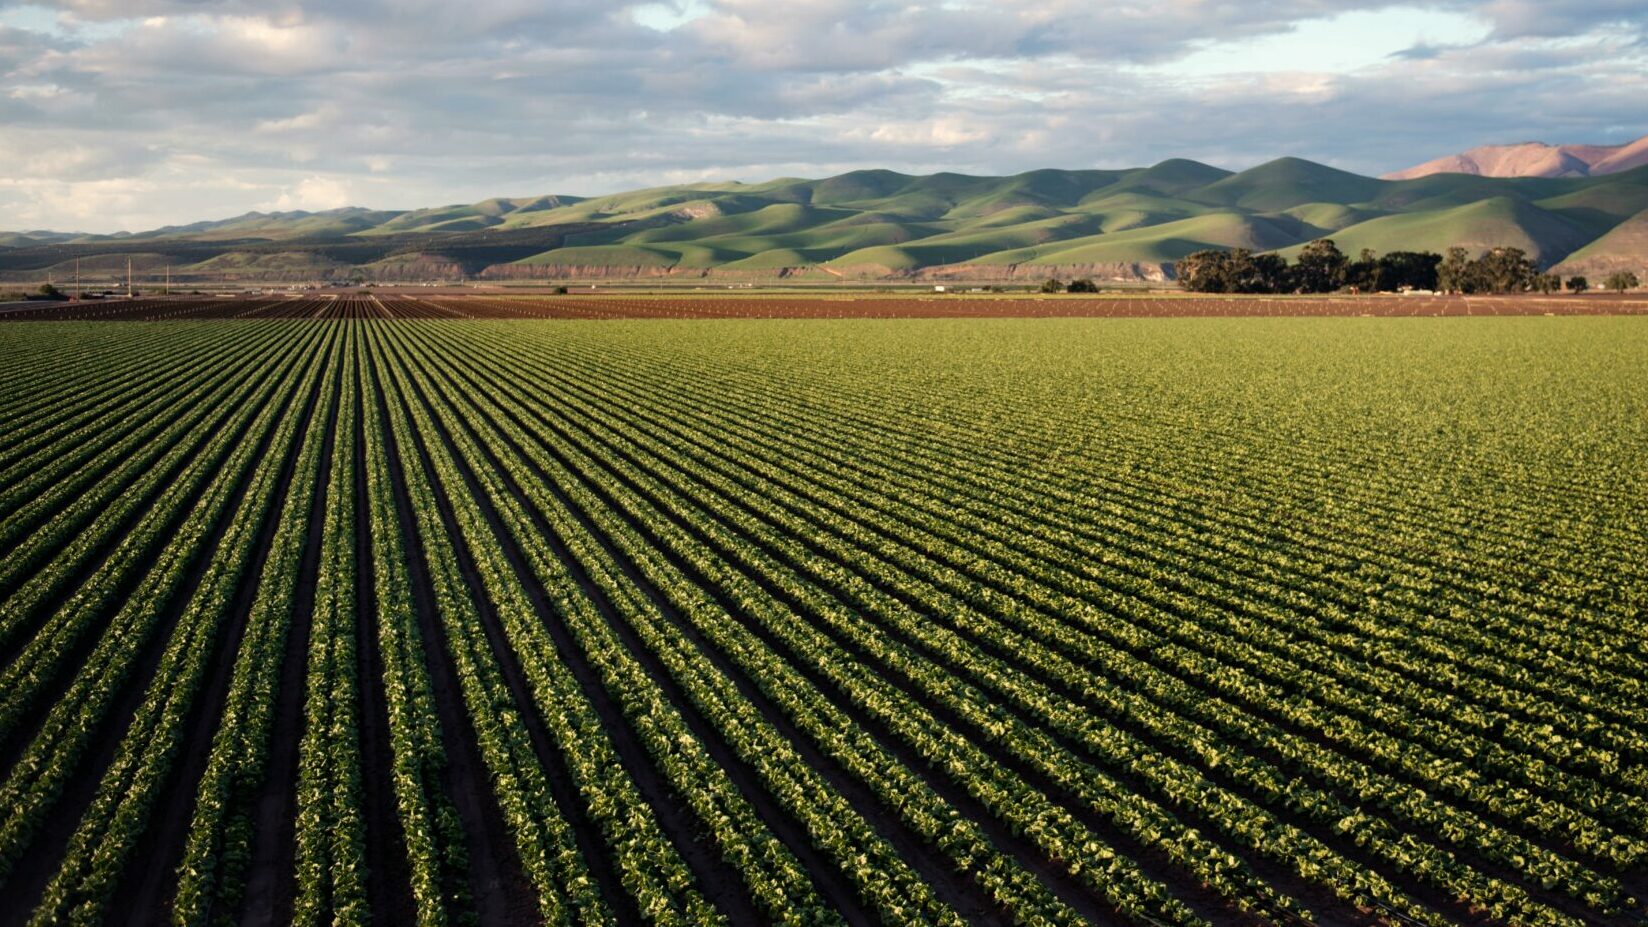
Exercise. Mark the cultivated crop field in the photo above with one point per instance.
(1042, 621)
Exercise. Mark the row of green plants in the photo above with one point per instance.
(775, 878)
(217, 852)
(74, 440)
(437, 857)
(902, 790)
(1149, 525)
(884, 880)
(48, 604)
(1064, 661)
(330, 832)
(36, 780)
(80, 468)
(967, 464)
(1160, 525)
(1159, 822)
(91, 505)
(1034, 749)
(650, 866)
(1543, 634)
(722, 432)
(1034, 559)
(105, 837)
(544, 841)
(38, 416)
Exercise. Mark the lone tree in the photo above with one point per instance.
(1507, 270)
(1577, 284)
(1452, 275)
(1412, 270)
(1052, 285)
(1265, 273)
(1236, 271)
(1362, 274)
(1204, 271)
(1622, 281)
(1084, 285)
(1320, 268)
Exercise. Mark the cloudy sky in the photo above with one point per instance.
(129, 114)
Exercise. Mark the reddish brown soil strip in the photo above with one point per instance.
(826, 306)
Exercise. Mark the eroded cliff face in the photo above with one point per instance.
(585, 272)
(415, 268)
(1116, 270)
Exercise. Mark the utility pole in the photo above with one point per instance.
(128, 278)
(168, 280)
(78, 292)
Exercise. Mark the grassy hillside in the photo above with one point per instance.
(1625, 247)
(1288, 182)
(1544, 235)
(236, 263)
(1157, 244)
(880, 222)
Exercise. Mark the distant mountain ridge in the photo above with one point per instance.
(880, 225)
(1535, 159)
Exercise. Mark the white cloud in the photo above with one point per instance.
(944, 133)
(313, 193)
(322, 117)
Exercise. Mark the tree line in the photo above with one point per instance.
(1322, 268)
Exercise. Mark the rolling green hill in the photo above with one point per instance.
(1624, 248)
(1546, 236)
(1286, 183)
(881, 223)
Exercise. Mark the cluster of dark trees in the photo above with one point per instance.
(1322, 268)
(48, 291)
(1618, 282)
(1055, 285)
(1498, 270)
(1621, 281)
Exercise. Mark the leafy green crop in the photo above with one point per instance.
(1039, 621)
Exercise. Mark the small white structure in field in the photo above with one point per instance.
(940, 288)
